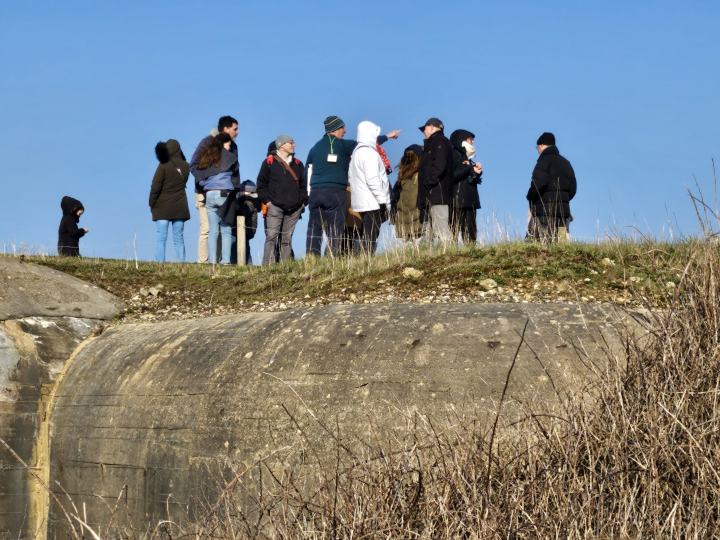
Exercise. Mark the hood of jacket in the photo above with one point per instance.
(165, 151)
(367, 133)
(69, 205)
(458, 136)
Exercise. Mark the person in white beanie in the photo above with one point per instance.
(369, 185)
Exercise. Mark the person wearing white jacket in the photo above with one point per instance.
(369, 184)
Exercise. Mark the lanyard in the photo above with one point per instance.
(332, 141)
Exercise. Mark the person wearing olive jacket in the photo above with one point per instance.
(282, 186)
(168, 201)
(467, 177)
(552, 187)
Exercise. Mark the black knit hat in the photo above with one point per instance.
(333, 123)
(547, 138)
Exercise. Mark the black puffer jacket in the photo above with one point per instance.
(466, 181)
(436, 171)
(553, 186)
(168, 199)
(276, 185)
(69, 234)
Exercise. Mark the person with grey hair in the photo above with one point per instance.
(282, 186)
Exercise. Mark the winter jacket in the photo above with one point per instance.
(436, 171)
(69, 234)
(228, 164)
(553, 186)
(407, 216)
(277, 186)
(325, 173)
(168, 199)
(369, 185)
(465, 180)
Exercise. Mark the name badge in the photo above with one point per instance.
(332, 158)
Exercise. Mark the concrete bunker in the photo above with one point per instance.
(147, 410)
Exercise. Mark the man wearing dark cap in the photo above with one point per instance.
(327, 177)
(435, 181)
(552, 188)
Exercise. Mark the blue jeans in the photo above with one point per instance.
(213, 202)
(161, 232)
(328, 209)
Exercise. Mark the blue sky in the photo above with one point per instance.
(631, 91)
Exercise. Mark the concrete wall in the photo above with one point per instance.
(44, 315)
(143, 412)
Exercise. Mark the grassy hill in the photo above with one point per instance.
(639, 460)
(625, 273)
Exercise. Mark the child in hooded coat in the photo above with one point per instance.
(69, 234)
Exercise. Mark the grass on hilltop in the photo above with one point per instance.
(611, 271)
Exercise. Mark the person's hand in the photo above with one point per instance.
(394, 134)
(226, 145)
(478, 168)
(86, 230)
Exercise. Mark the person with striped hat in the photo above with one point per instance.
(327, 179)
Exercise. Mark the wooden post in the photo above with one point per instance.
(241, 253)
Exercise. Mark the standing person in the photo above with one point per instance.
(168, 201)
(226, 124)
(436, 179)
(282, 186)
(552, 188)
(218, 174)
(327, 171)
(407, 215)
(69, 234)
(248, 207)
(369, 185)
(467, 178)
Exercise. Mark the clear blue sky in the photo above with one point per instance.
(631, 90)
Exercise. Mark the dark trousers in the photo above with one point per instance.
(328, 208)
(463, 221)
(547, 229)
(371, 223)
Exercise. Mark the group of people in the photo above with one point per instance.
(344, 184)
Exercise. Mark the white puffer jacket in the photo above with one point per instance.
(369, 184)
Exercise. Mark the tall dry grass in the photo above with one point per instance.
(642, 459)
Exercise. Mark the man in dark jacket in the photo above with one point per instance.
(282, 186)
(69, 234)
(327, 170)
(552, 188)
(435, 181)
(226, 124)
(467, 177)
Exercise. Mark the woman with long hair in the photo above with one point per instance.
(408, 225)
(216, 167)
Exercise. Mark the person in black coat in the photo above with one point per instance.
(282, 187)
(467, 177)
(552, 188)
(168, 201)
(69, 234)
(435, 181)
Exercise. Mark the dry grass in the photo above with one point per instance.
(641, 461)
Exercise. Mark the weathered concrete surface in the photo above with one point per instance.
(44, 315)
(145, 409)
(29, 290)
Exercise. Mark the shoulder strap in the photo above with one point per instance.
(282, 162)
